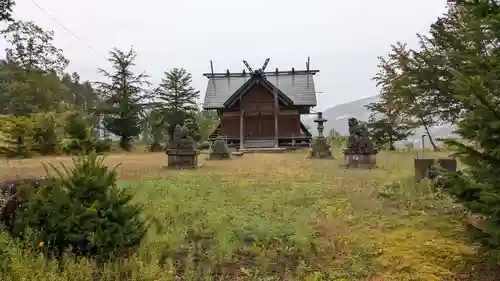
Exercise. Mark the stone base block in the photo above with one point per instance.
(423, 167)
(182, 159)
(321, 149)
(322, 154)
(217, 156)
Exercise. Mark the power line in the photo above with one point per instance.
(68, 30)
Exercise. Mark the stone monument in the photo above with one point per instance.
(425, 167)
(360, 151)
(181, 150)
(219, 150)
(321, 148)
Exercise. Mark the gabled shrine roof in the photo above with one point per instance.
(297, 85)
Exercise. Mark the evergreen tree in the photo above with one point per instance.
(478, 186)
(81, 209)
(178, 100)
(122, 96)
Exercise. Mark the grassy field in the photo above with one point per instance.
(281, 215)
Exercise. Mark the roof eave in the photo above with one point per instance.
(213, 107)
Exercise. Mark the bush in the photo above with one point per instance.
(91, 144)
(45, 133)
(102, 146)
(16, 136)
(82, 211)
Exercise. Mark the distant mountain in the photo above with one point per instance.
(337, 119)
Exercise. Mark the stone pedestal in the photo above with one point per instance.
(321, 149)
(423, 167)
(448, 164)
(182, 159)
(219, 156)
(359, 160)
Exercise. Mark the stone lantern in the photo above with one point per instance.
(320, 121)
(321, 148)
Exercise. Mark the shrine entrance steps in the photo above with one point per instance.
(264, 149)
(258, 143)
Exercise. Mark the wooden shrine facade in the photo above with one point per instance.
(261, 106)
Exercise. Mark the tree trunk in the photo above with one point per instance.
(428, 133)
(125, 143)
(391, 141)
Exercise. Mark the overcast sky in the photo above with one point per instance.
(343, 38)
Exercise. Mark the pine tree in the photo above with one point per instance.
(122, 96)
(178, 100)
(82, 209)
(478, 186)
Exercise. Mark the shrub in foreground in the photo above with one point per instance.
(82, 210)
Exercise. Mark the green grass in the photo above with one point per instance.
(284, 217)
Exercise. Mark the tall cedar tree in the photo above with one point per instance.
(122, 97)
(478, 187)
(178, 100)
(388, 122)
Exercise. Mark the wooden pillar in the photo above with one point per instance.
(276, 111)
(221, 118)
(242, 113)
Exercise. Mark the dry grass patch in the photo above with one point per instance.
(283, 215)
